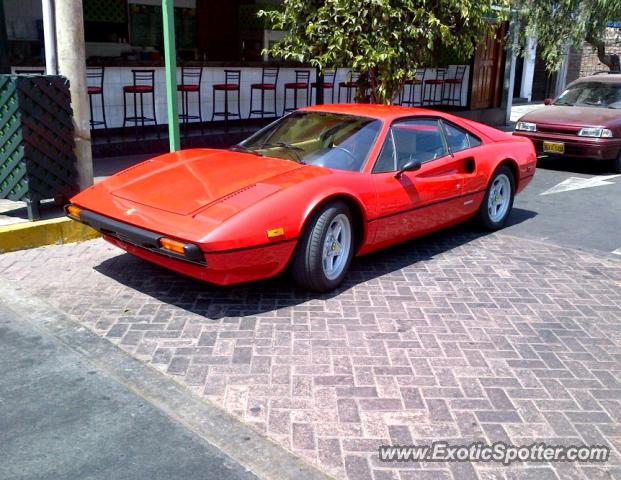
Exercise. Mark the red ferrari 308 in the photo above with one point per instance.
(311, 190)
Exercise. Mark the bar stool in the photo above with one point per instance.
(349, 85)
(454, 85)
(143, 84)
(190, 83)
(269, 81)
(302, 78)
(328, 84)
(433, 84)
(412, 83)
(231, 83)
(95, 82)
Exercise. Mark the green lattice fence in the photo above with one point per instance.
(37, 160)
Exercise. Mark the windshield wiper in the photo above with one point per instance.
(294, 149)
(242, 148)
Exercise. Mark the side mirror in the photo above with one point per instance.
(410, 166)
(547, 101)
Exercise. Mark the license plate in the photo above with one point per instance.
(553, 147)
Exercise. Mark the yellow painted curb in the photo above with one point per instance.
(56, 231)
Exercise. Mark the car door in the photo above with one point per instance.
(416, 202)
(467, 151)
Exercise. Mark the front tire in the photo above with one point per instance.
(498, 200)
(325, 250)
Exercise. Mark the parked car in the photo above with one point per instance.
(583, 122)
(311, 190)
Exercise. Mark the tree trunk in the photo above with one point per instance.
(610, 60)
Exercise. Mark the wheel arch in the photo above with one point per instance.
(357, 210)
(513, 165)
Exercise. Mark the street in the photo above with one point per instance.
(461, 336)
(64, 418)
(586, 217)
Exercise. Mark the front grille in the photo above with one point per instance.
(558, 129)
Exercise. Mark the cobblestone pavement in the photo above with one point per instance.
(454, 337)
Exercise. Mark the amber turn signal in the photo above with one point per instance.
(275, 232)
(74, 211)
(172, 245)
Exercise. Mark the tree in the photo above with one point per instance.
(558, 23)
(385, 40)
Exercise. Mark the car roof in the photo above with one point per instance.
(614, 78)
(381, 112)
(388, 113)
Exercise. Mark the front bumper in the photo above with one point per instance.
(577, 147)
(137, 236)
(226, 267)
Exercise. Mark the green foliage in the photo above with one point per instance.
(386, 39)
(558, 23)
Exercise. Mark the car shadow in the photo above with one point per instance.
(254, 298)
(575, 165)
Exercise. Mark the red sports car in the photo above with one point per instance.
(311, 190)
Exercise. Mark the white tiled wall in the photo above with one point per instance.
(117, 77)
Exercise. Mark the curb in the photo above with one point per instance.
(56, 231)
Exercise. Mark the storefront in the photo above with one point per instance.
(126, 35)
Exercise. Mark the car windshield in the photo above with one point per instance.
(326, 139)
(591, 94)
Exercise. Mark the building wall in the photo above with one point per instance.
(586, 61)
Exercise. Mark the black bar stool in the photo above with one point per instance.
(350, 85)
(190, 83)
(269, 81)
(433, 84)
(411, 84)
(95, 84)
(328, 83)
(302, 78)
(231, 83)
(144, 84)
(454, 86)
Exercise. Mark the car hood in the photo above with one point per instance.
(188, 181)
(573, 116)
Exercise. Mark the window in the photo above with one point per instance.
(419, 139)
(318, 138)
(591, 94)
(456, 138)
(474, 141)
(459, 139)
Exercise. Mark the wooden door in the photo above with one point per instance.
(487, 71)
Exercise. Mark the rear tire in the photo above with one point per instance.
(325, 250)
(498, 201)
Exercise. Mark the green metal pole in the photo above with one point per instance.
(170, 54)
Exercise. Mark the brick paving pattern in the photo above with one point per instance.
(454, 337)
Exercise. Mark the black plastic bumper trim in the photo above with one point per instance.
(136, 236)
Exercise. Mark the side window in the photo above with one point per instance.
(417, 139)
(386, 160)
(457, 138)
(474, 141)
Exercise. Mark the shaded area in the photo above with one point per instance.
(258, 297)
(63, 418)
(575, 165)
